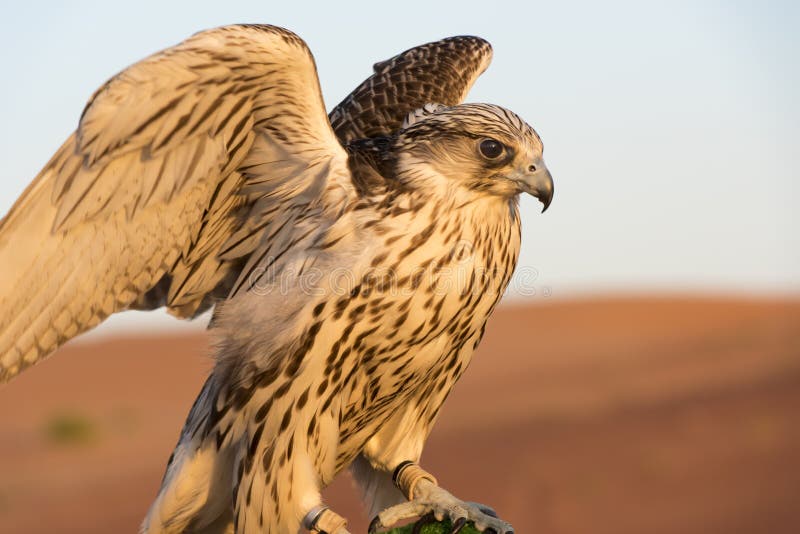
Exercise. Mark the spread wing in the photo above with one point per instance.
(177, 169)
(188, 165)
(439, 72)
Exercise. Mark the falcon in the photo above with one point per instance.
(351, 260)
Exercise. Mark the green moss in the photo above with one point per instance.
(440, 527)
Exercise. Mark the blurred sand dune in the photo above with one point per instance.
(606, 416)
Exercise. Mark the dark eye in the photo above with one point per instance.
(491, 149)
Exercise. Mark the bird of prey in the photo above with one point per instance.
(351, 260)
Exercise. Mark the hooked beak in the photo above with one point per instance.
(536, 180)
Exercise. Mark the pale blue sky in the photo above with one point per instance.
(671, 128)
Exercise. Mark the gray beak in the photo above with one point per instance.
(537, 181)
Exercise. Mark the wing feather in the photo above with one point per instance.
(439, 72)
(148, 191)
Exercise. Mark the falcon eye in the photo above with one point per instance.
(491, 149)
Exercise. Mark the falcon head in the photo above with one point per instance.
(481, 147)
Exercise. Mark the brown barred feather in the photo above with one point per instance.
(147, 189)
(438, 72)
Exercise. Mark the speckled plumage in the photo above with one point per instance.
(359, 276)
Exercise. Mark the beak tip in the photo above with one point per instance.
(546, 200)
(540, 185)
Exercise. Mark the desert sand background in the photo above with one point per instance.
(642, 415)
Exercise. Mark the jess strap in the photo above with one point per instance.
(407, 475)
(323, 520)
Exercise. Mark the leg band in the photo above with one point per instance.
(323, 520)
(407, 475)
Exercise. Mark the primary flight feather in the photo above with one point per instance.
(352, 261)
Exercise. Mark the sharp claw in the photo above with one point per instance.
(486, 510)
(374, 525)
(489, 511)
(458, 525)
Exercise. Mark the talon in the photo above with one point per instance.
(374, 525)
(433, 504)
(489, 511)
(458, 525)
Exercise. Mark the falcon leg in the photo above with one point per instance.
(400, 489)
(426, 497)
(277, 488)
